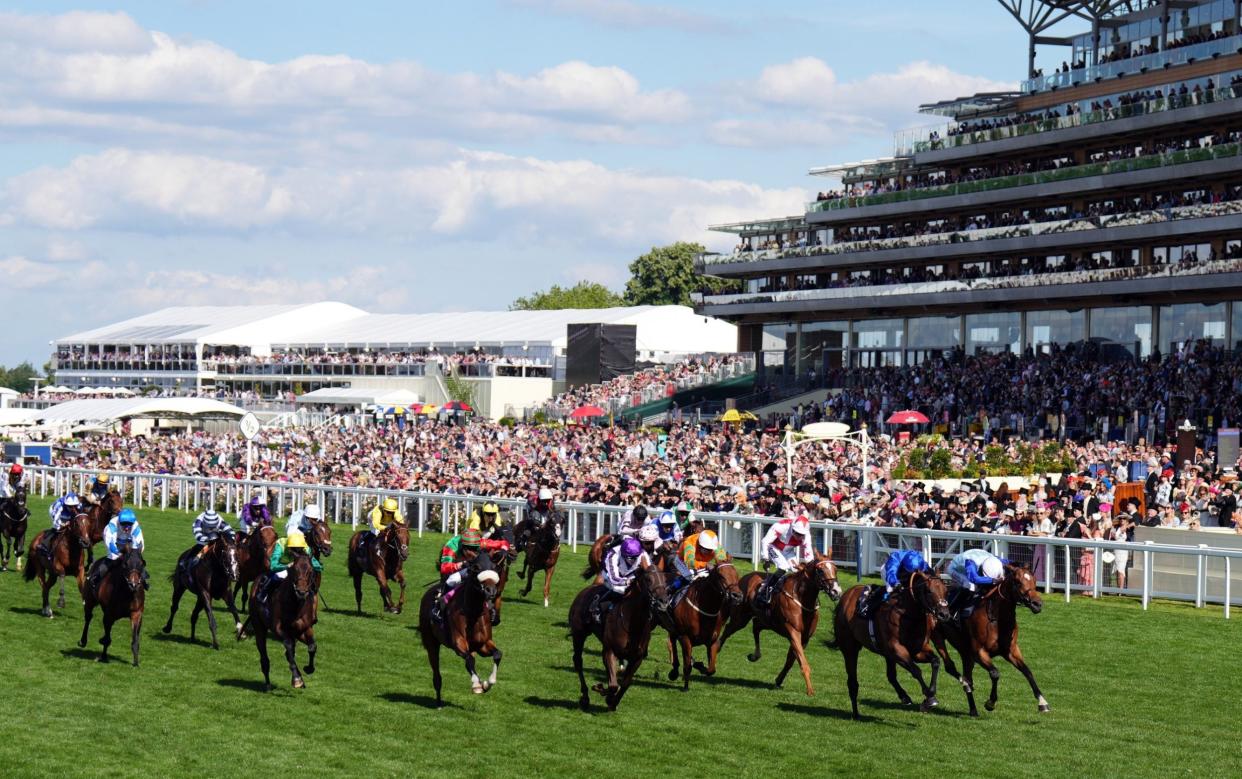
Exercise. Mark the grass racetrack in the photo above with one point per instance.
(1132, 693)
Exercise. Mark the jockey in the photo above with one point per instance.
(971, 570)
(460, 551)
(649, 537)
(301, 521)
(255, 515)
(283, 554)
(621, 565)
(899, 566)
(701, 551)
(666, 523)
(632, 522)
(486, 520)
(209, 526)
(544, 505)
(786, 545)
(62, 511)
(685, 515)
(383, 515)
(121, 532)
(98, 490)
(8, 488)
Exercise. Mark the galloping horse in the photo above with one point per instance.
(792, 612)
(119, 595)
(700, 616)
(624, 632)
(465, 624)
(99, 516)
(68, 558)
(899, 631)
(14, 516)
(211, 577)
(991, 630)
(289, 614)
(542, 545)
(254, 559)
(383, 558)
(319, 539)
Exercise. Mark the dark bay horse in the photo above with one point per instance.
(899, 631)
(700, 616)
(289, 615)
(384, 558)
(792, 612)
(14, 518)
(542, 545)
(465, 626)
(624, 632)
(119, 595)
(211, 577)
(98, 516)
(68, 558)
(254, 559)
(319, 539)
(991, 631)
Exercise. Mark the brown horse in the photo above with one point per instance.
(991, 631)
(254, 559)
(119, 595)
(68, 558)
(465, 625)
(383, 557)
(289, 614)
(700, 617)
(98, 516)
(211, 577)
(14, 517)
(595, 558)
(543, 548)
(319, 539)
(792, 612)
(624, 632)
(899, 631)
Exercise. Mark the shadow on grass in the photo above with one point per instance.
(254, 685)
(35, 610)
(180, 638)
(78, 653)
(824, 711)
(352, 613)
(726, 681)
(426, 701)
(563, 625)
(551, 703)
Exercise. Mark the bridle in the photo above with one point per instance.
(717, 581)
(133, 572)
(320, 548)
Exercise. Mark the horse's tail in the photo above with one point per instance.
(32, 567)
(590, 571)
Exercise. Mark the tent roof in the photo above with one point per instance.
(16, 416)
(8, 391)
(359, 396)
(220, 325)
(107, 411)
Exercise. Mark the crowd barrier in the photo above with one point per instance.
(1200, 574)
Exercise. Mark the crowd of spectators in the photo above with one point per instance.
(1125, 51)
(648, 384)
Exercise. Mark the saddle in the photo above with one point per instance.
(678, 595)
(601, 606)
(962, 603)
(870, 601)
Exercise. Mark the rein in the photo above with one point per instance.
(798, 600)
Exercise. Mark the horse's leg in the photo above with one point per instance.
(291, 648)
(358, 590)
(400, 577)
(476, 684)
(88, 611)
(713, 648)
(135, 628)
(673, 660)
(903, 659)
(198, 609)
(232, 606)
(437, 679)
(106, 641)
(686, 650)
(547, 584)
(211, 616)
(985, 660)
(178, 591)
(265, 663)
(737, 621)
(849, 651)
(46, 583)
(584, 699)
(491, 649)
(1017, 661)
(795, 641)
(627, 677)
(968, 682)
(312, 647)
(527, 574)
(381, 576)
(755, 655)
(902, 695)
(790, 658)
(60, 600)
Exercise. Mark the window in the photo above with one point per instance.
(1044, 328)
(993, 333)
(1127, 328)
(1180, 324)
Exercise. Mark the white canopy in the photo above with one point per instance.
(11, 417)
(75, 412)
(359, 396)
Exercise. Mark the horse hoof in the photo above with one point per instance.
(990, 705)
(308, 670)
(298, 683)
(135, 663)
(166, 629)
(672, 675)
(545, 603)
(267, 687)
(754, 658)
(974, 712)
(1045, 709)
(584, 703)
(928, 705)
(599, 688)
(477, 689)
(906, 701)
(101, 659)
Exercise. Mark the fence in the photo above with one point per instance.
(1200, 574)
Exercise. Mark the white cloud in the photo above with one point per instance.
(22, 273)
(75, 31)
(630, 15)
(198, 287)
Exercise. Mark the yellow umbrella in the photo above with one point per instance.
(749, 417)
(429, 409)
(731, 415)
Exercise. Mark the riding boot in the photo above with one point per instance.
(47, 542)
(146, 580)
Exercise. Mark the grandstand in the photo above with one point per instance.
(1101, 201)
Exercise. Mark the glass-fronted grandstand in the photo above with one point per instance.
(1100, 201)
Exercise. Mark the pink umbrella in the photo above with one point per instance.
(583, 412)
(907, 418)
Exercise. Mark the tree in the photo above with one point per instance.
(18, 377)
(665, 276)
(584, 294)
(458, 388)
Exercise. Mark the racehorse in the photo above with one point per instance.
(14, 517)
(899, 631)
(68, 558)
(792, 612)
(542, 545)
(991, 630)
(624, 632)
(119, 595)
(595, 558)
(99, 515)
(383, 557)
(319, 539)
(254, 559)
(701, 615)
(289, 614)
(465, 624)
(211, 577)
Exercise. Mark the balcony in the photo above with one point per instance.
(1162, 59)
(1030, 179)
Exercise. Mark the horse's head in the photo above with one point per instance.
(320, 538)
(399, 539)
(302, 576)
(930, 594)
(825, 572)
(651, 582)
(80, 529)
(19, 499)
(1021, 587)
(132, 566)
(225, 550)
(483, 574)
(724, 574)
(112, 504)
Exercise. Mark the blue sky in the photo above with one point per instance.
(429, 156)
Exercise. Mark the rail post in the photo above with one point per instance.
(1200, 578)
(164, 494)
(1228, 583)
(1147, 577)
(1068, 573)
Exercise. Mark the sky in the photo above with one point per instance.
(421, 157)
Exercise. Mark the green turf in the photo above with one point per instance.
(1132, 693)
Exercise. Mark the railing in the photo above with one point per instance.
(132, 366)
(1055, 562)
(1129, 219)
(1027, 179)
(915, 140)
(1162, 59)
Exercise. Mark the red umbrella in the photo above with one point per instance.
(907, 418)
(583, 412)
(456, 405)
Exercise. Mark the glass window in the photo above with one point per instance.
(1044, 328)
(941, 332)
(1191, 322)
(993, 333)
(879, 334)
(1127, 328)
(823, 344)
